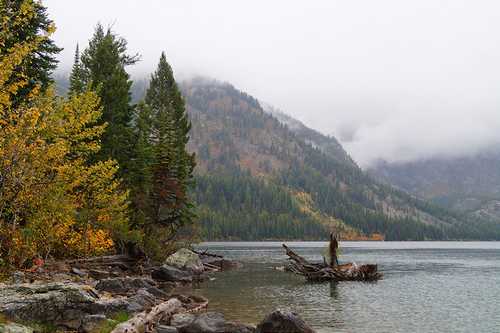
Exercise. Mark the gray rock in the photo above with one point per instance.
(283, 322)
(208, 322)
(91, 323)
(141, 300)
(125, 285)
(63, 304)
(180, 320)
(186, 260)
(166, 329)
(14, 328)
(169, 273)
(99, 274)
(79, 272)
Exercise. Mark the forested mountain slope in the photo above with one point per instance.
(468, 185)
(258, 178)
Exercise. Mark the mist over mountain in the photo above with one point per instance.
(371, 73)
(469, 185)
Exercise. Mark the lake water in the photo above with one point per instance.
(427, 287)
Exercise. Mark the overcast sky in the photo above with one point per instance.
(392, 79)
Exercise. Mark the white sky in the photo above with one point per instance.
(392, 79)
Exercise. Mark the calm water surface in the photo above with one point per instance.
(427, 287)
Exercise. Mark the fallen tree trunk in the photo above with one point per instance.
(145, 321)
(323, 272)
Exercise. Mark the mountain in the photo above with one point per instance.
(468, 185)
(264, 175)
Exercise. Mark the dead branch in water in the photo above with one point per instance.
(323, 272)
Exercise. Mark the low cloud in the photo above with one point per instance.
(393, 80)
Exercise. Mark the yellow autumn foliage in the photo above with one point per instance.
(53, 200)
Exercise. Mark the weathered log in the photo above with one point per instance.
(145, 321)
(323, 272)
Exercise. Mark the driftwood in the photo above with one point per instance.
(323, 272)
(145, 321)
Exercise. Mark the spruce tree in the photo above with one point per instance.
(140, 166)
(172, 167)
(77, 78)
(104, 61)
(39, 65)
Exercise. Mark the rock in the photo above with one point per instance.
(187, 260)
(283, 321)
(15, 328)
(78, 272)
(214, 322)
(238, 328)
(169, 273)
(91, 323)
(141, 300)
(63, 304)
(125, 285)
(99, 274)
(180, 320)
(166, 329)
(209, 322)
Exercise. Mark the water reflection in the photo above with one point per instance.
(334, 293)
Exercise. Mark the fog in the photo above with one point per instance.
(396, 80)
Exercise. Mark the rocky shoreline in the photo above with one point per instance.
(118, 294)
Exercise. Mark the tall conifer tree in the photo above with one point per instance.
(172, 167)
(104, 61)
(77, 78)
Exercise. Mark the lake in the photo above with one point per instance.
(427, 286)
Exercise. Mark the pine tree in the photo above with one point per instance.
(173, 165)
(104, 61)
(39, 64)
(140, 167)
(77, 78)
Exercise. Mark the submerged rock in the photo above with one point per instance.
(186, 260)
(208, 322)
(283, 322)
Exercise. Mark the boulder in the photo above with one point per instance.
(180, 320)
(124, 285)
(141, 300)
(214, 322)
(63, 304)
(283, 321)
(170, 273)
(15, 328)
(186, 260)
